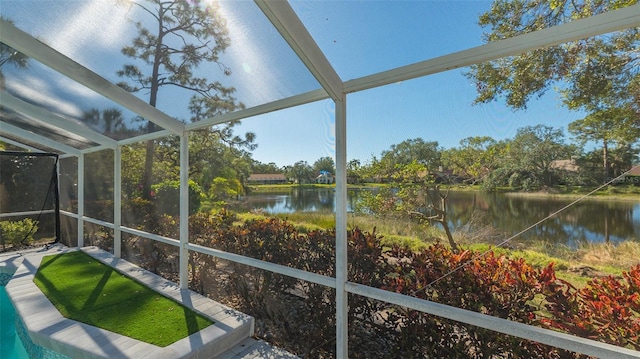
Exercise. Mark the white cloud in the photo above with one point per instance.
(39, 92)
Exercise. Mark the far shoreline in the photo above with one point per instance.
(617, 193)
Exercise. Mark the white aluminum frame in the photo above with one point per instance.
(28, 45)
(293, 31)
(34, 111)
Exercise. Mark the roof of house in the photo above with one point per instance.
(635, 171)
(569, 165)
(266, 177)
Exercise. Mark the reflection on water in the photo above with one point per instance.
(298, 200)
(586, 221)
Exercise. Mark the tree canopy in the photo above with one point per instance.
(301, 172)
(596, 73)
(324, 164)
(599, 75)
(259, 167)
(185, 37)
(474, 159)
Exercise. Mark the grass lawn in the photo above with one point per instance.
(88, 291)
(602, 258)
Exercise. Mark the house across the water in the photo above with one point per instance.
(633, 176)
(325, 178)
(267, 178)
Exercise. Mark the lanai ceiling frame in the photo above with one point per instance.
(34, 111)
(17, 131)
(596, 25)
(294, 32)
(37, 50)
(285, 20)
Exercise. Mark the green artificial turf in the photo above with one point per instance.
(88, 291)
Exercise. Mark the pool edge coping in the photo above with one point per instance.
(47, 328)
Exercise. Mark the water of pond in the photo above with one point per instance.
(587, 221)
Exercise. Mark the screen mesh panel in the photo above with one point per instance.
(29, 203)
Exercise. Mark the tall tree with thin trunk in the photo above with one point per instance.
(614, 127)
(186, 34)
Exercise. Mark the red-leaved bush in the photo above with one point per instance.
(300, 316)
(606, 309)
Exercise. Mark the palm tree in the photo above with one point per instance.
(91, 117)
(8, 55)
(112, 119)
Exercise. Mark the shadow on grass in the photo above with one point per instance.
(95, 293)
(91, 292)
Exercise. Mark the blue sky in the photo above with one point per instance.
(365, 37)
(358, 37)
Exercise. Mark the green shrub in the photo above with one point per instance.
(612, 190)
(482, 281)
(167, 197)
(135, 210)
(16, 232)
(223, 188)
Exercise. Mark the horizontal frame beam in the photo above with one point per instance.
(39, 113)
(272, 267)
(297, 100)
(26, 213)
(145, 137)
(529, 332)
(293, 31)
(579, 29)
(33, 48)
(19, 144)
(19, 132)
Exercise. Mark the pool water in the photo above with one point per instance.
(10, 344)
